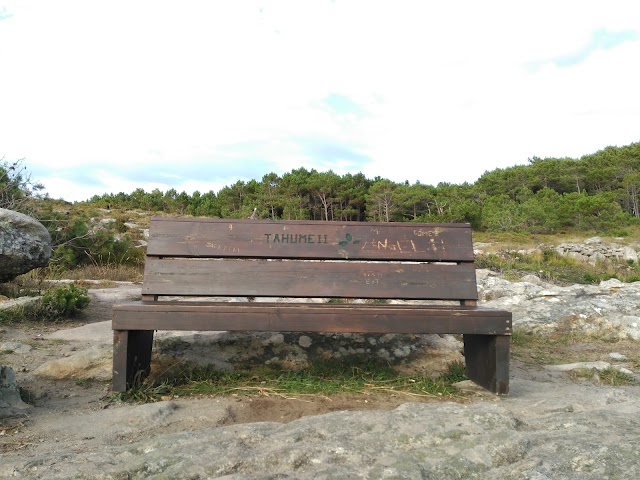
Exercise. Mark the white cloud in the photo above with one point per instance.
(449, 89)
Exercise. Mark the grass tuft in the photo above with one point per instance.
(609, 376)
(552, 267)
(326, 379)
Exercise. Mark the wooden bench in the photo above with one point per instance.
(196, 257)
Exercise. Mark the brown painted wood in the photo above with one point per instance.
(131, 357)
(120, 344)
(487, 361)
(303, 317)
(233, 277)
(217, 258)
(311, 240)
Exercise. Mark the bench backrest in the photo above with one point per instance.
(306, 259)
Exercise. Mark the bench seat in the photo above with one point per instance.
(304, 317)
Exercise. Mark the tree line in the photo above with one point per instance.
(599, 191)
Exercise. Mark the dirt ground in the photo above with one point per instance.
(82, 415)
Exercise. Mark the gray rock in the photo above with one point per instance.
(25, 244)
(11, 405)
(599, 366)
(532, 279)
(16, 347)
(630, 254)
(291, 351)
(94, 363)
(608, 309)
(597, 431)
(594, 251)
(19, 302)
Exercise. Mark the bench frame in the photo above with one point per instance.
(419, 264)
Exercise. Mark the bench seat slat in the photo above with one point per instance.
(311, 317)
(306, 239)
(233, 277)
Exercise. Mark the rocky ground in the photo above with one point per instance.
(549, 426)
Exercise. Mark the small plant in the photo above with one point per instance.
(608, 376)
(337, 301)
(84, 382)
(21, 313)
(65, 301)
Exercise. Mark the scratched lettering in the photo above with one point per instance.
(222, 248)
(406, 246)
(293, 238)
(426, 233)
(372, 278)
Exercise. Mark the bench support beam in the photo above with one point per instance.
(131, 358)
(487, 361)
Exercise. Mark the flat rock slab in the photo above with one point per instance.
(94, 363)
(597, 431)
(98, 332)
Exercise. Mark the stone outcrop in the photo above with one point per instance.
(541, 431)
(94, 363)
(594, 250)
(25, 244)
(607, 309)
(429, 354)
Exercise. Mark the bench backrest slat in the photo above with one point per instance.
(294, 278)
(222, 257)
(310, 240)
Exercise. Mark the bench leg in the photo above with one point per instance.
(487, 361)
(131, 358)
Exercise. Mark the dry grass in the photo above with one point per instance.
(115, 273)
(564, 346)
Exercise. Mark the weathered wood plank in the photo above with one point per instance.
(301, 317)
(487, 361)
(119, 373)
(233, 277)
(310, 240)
(131, 357)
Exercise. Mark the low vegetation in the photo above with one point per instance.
(565, 346)
(552, 267)
(608, 376)
(56, 303)
(328, 378)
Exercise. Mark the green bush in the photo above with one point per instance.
(65, 301)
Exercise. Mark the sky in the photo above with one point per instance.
(106, 97)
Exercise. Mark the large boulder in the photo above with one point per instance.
(25, 244)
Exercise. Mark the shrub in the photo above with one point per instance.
(65, 301)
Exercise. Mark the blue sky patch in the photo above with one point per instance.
(343, 105)
(600, 40)
(4, 14)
